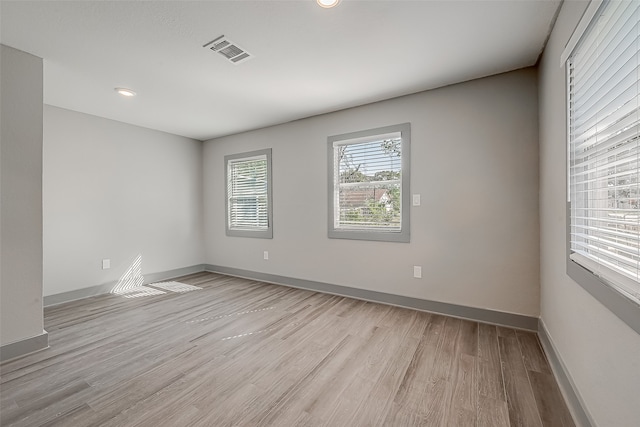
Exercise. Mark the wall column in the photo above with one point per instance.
(21, 314)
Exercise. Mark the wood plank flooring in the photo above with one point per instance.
(244, 353)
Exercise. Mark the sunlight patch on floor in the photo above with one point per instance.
(140, 291)
(175, 286)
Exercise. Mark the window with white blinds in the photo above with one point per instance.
(248, 177)
(604, 147)
(369, 181)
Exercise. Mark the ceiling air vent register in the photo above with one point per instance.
(229, 50)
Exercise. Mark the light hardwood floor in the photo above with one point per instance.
(245, 353)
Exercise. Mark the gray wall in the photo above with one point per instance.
(475, 164)
(113, 190)
(21, 196)
(600, 352)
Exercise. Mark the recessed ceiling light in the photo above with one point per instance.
(328, 3)
(125, 92)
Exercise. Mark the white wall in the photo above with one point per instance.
(601, 353)
(113, 190)
(475, 163)
(21, 196)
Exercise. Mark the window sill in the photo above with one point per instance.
(618, 303)
(378, 236)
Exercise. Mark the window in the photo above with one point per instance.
(369, 184)
(604, 147)
(248, 201)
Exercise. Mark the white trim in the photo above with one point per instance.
(369, 138)
(248, 159)
(579, 31)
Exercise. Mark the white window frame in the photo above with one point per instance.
(263, 232)
(335, 229)
(615, 291)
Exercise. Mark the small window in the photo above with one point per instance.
(604, 151)
(248, 202)
(369, 184)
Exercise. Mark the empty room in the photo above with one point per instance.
(320, 213)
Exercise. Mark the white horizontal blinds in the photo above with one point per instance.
(604, 135)
(368, 183)
(247, 193)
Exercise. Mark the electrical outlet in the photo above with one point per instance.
(266, 254)
(106, 263)
(417, 272)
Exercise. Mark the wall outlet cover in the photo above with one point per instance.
(417, 271)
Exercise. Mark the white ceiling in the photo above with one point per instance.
(307, 60)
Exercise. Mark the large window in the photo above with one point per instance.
(248, 201)
(369, 184)
(604, 147)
